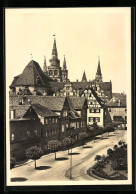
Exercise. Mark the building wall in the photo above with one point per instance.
(23, 134)
(117, 111)
(94, 115)
(50, 130)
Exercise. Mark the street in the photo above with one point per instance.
(82, 159)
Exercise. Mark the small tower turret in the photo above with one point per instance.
(84, 79)
(98, 76)
(64, 71)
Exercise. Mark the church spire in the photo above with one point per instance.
(64, 64)
(44, 66)
(98, 68)
(84, 79)
(54, 50)
(98, 76)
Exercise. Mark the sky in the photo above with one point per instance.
(82, 34)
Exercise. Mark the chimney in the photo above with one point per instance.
(12, 114)
(77, 80)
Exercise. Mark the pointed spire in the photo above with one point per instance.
(54, 50)
(64, 64)
(44, 66)
(84, 79)
(98, 68)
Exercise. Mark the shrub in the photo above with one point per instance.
(34, 153)
(110, 152)
(66, 142)
(82, 136)
(97, 158)
(12, 162)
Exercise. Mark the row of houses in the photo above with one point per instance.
(35, 120)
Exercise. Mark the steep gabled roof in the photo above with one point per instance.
(76, 102)
(43, 111)
(99, 100)
(20, 110)
(51, 102)
(29, 76)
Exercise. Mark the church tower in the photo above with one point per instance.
(64, 71)
(98, 76)
(54, 69)
(84, 79)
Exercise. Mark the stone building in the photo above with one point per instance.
(117, 110)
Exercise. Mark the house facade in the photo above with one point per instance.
(117, 110)
(95, 108)
(25, 130)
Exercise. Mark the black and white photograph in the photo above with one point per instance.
(68, 96)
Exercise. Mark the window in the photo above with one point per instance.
(67, 88)
(90, 119)
(126, 118)
(62, 128)
(77, 124)
(83, 124)
(56, 120)
(49, 120)
(95, 110)
(97, 119)
(66, 126)
(36, 132)
(125, 110)
(50, 72)
(55, 72)
(73, 124)
(28, 133)
(12, 137)
(91, 103)
(52, 120)
(65, 113)
(94, 119)
(79, 112)
(46, 134)
(46, 121)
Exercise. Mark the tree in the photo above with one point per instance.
(66, 142)
(109, 128)
(54, 145)
(34, 153)
(82, 136)
(12, 162)
(97, 158)
(101, 131)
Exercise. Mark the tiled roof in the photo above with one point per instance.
(20, 110)
(118, 95)
(43, 111)
(56, 86)
(29, 76)
(51, 102)
(14, 81)
(106, 86)
(76, 102)
(117, 101)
